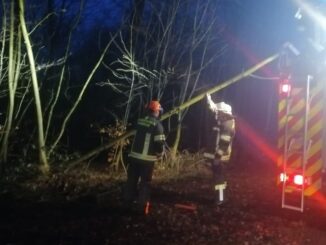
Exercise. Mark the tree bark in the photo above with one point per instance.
(137, 13)
(11, 78)
(41, 142)
(174, 148)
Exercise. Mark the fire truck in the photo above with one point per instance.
(301, 141)
(302, 120)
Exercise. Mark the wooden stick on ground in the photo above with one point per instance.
(190, 207)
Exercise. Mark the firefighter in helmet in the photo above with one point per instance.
(225, 130)
(147, 147)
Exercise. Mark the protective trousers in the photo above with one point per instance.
(219, 180)
(138, 185)
(222, 156)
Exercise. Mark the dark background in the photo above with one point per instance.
(252, 30)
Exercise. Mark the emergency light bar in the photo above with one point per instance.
(296, 179)
(285, 87)
(283, 177)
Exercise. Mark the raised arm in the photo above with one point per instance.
(211, 103)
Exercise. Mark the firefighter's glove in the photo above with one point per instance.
(209, 98)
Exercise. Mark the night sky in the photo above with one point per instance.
(255, 30)
(252, 31)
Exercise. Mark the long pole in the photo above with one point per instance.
(182, 106)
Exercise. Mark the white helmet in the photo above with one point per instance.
(224, 108)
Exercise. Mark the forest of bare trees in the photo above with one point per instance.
(162, 50)
(74, 79)
(75, 75)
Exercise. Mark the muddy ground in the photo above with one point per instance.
(86, 208)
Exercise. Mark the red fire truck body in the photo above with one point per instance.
(301, 141)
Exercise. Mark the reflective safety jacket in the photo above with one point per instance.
(149, 139)
(226, 133)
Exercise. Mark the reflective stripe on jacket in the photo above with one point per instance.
(227, 131)
(149, 139)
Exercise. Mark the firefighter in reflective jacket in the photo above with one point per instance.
(223, 147)
(146, 149)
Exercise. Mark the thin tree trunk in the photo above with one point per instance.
(174, 148)
(80, 96)
(137, 13)
(42, 151)
(11, 80)
(3, 39)
(62, 73)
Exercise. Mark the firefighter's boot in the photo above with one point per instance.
(143, 209)
(220, 193)
(146, 208)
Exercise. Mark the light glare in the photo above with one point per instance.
(283, 177)
(298, 179)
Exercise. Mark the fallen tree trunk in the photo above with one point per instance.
(180, 108)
